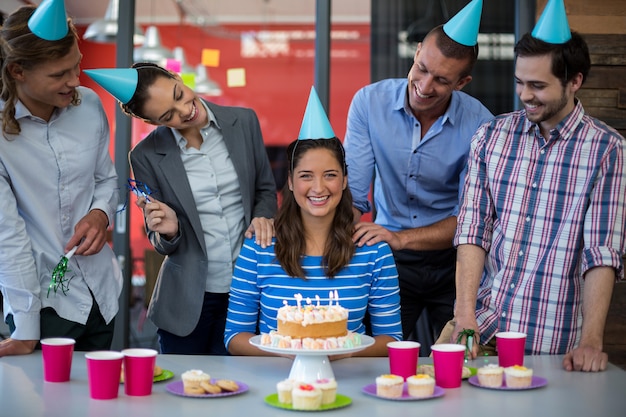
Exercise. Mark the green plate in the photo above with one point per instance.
(340, 401)
(165, 375)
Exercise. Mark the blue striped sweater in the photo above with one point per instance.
(260, 284)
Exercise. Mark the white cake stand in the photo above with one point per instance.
(311, 365)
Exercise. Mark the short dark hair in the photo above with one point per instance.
(147, 74)
(452, 49)
(568, 59)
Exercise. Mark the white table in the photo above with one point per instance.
(23, 393)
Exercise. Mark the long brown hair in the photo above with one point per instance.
(18, 45)
(290, 244)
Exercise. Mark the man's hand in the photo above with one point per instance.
(461, 325)
(90, 234)
(262, 229)
(585, 359)
(11, 347)
(366, 233)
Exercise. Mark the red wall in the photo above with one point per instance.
(278, 81)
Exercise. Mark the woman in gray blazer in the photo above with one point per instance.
(206, 183)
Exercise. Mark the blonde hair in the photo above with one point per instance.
(18, 45)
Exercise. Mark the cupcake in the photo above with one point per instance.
(490, 375)
(389, 386)
(306, 397)
(518, 376)
(284, 388)
(328, 388)
(421, 385)
(192, 381)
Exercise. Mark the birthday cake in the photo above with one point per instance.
(312, 326)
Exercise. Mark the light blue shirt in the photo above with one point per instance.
(215, 188)
(51, 175)
(260, 285)
(417, 179)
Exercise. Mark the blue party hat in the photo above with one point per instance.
(49, 21)
(552, 26)
(315, 124)
(463, 27)
(121, 83)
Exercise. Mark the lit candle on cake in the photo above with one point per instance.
(336, 297)
(298, 298)
(317, 298)
(330, 298)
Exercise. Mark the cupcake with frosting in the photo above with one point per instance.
(192, 381)
(517, 376)
(328, 388)
(420, 385)
(389, 386)
(306, 397)
(284, 389)
(490, 375)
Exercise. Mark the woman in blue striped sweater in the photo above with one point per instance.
(312, 254)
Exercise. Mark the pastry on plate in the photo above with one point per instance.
(389, 386)
(420, 385)
(517, 376)
(490, 375)
(306, 397)
(192, 381)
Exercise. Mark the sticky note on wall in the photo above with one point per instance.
(211, 57)
(236, 77)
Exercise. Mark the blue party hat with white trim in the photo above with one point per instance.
(121, 83)
(49, 20)
(315, 124)
(552, 26)
(463, 26)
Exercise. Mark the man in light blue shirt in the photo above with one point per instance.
(413, 139)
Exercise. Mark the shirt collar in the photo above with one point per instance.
(566, 127)
(402, 103)
(21, 111)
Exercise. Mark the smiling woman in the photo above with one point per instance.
(212, 186)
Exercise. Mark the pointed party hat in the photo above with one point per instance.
(49, 21)
(121, 83)
(552, 26)
(463, 27)
(315, 124)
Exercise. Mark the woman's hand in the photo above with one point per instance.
(159, 217)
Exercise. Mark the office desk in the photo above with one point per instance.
(23, 393)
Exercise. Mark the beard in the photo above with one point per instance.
(550, 109)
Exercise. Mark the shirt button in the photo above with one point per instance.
(415, 151)
(534, 185)
(542, 151)
(512, 286)
(520, 253)
(503, 315)
(528, 218)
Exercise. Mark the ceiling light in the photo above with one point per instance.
(205, 85)
(152, 50)
(105, 30)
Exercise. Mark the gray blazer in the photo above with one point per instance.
(179, 291)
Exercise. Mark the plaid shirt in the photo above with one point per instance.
(546, 211)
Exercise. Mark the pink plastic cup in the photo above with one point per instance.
(403, 357)
(57, 358)
(448, 362)
(510, 346)
(139, 371)
(104, 368)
